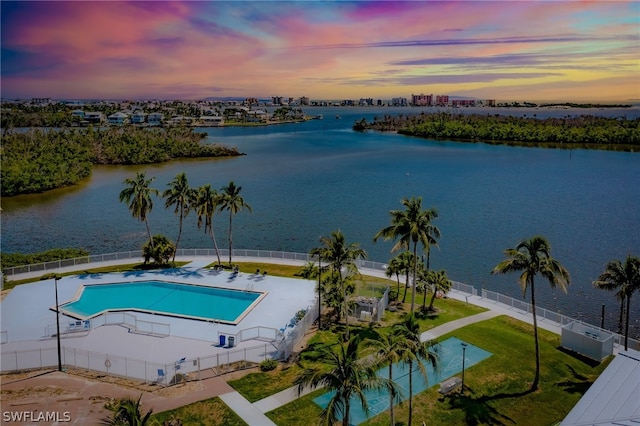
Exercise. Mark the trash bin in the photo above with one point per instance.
(222, 338)
(231, 341)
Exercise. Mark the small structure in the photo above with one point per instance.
(449, 385)
(587, 340)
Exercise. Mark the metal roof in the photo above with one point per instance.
(614, 398)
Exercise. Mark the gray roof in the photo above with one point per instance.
(614, 398)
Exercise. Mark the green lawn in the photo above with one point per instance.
(497, 388)
(210, 412)
(256, 386)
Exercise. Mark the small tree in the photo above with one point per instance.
(161, 250)
(126, 412)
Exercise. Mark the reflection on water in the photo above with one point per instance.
(304, 180)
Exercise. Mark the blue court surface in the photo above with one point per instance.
(450, 363)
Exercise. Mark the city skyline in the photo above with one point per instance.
(525, 51)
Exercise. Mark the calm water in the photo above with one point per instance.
(305, 180)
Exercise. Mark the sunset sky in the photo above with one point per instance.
(505, 50)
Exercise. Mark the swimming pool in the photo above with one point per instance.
(163, 298)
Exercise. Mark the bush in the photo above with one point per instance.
(268, 365)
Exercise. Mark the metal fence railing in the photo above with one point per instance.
(551, 316)
(195, 252)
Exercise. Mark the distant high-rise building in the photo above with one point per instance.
(304, 101)
(442, 100)
(399, 102)
(490, 102)
(421, 100)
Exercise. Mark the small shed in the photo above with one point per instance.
(587, 340)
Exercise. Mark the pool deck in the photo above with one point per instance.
(25, 313)
(252, 413)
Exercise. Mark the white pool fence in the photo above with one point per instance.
(278, 344)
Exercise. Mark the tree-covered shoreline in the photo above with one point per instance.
(40, 160)
(587, 131)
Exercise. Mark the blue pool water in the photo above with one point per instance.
(185, 300)
(450, 363)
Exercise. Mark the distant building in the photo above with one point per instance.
(442, 100)
(422, 100)
(399, 102)
(304, 101)
(118, 118)
(93, 117)
(155, 119)
(490, 102)
(138, 117)
(41, 101)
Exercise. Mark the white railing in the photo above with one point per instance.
(197, 252)
(293, 337)
(136, 369)
(110, 318)
(382, 305)
(551, 316)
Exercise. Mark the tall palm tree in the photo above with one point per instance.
(137, 195)
(205, 202)
(339, 255)
(532, 257)
(347, 375)
(624, 278)
(412, 351)
(411, 226)
(126, 412)
(232, 201)
(179, 194)
(388, 349)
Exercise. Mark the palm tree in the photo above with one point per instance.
(347, 376)
(412, 351)
(126, 412)
(533, 256)
(625, 278)
(400, 264)
(232, 201)
(412, 225)
(338, 254)
(205, 202)
(179, 194)
(439, 283)
(388, 349)
(138, 196)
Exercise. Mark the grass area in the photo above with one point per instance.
(210, 412)
(258, 385)
(497, 389)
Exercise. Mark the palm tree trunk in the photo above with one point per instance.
(391, 414)
(347, 409)
(626, 333)
(230, 238)
(146, 222)
(536, 379)
(410, 392)
(415, 275)
(398, 287)
(178, 239)
(433, 297)
(215, 244)
(621, 315)
(346, 307)
(406, 286)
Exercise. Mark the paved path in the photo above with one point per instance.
(253, 414)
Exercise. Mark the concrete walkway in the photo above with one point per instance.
(253, 413)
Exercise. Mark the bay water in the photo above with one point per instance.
(305, 180)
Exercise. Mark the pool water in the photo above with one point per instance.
(164, 298)
(449, 364)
